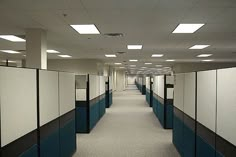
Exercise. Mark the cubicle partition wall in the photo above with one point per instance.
(33, 119)
(67, 114)
(90, 101)
(148, 87)
(207, 127)
(163, 100)
(18, 100)
(108, 91)
(102, 94)
(143, 88)
(184, 113)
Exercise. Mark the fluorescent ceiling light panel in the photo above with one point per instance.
(157, 55)
(148, 63)
(197, 47)
(134, 47)
(10, 51)
(122, 67)
(117, 63)
(12, 38)
(158, 65)
(187, 28)
(207, 60)
(133, 60)
(170, 60)
(52, 51)
(204, 55)
(132, 65)
(64, 56)
(143, 67)
(86, 29)
(110, 55)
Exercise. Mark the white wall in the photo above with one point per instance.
(78, 66)
(120, 80)
(131, 79)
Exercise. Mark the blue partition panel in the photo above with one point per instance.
(110, 98)
(25, 146)
(31, 152)
(81, 117)
(102, 105)
(148, 96)
(143, 89)
(169, 116)
(94, 112)
(205, 141)
(178, 131)
(50, 139)
(189, 136)
(151, 98)
(67, 134)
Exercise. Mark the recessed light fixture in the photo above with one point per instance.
(86, 29)
(197, 47)
(157, 55)
(187, 28)
(10, 51)
(158, 65)
(110, 55)
(204, 55)
(148, 63)
(117, 63)
(132, 65)
(143, 67)
(12, 38)
(122, 67)
(52, 51)
(134, 47)
(170, 60)
(133, 60)
(207, 60)
(64, 56)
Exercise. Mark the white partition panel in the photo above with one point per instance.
(160, 86)
(169, 79)
(66, 92)
(94, 87)
(110, 83)
(189, 94)
(170, 93)
(155, 84)
(81, 94)
(48, 96)
(206, 98)
(102, 85)
(179, 91)
(18, 103)
(226, 104)
(147, 82)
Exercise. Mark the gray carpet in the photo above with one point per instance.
(128, 129)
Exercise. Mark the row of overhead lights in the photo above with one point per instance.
(14, 38)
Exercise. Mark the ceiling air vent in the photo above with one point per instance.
(114, 34)
(120, 53)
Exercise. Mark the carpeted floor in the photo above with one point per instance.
(128, 129)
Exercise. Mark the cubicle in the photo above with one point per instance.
(141, 84)
(204, 124)
(37, 112)
(90, 101)
(163, 99)
(108, 91)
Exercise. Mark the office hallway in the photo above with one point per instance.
(128, 129)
